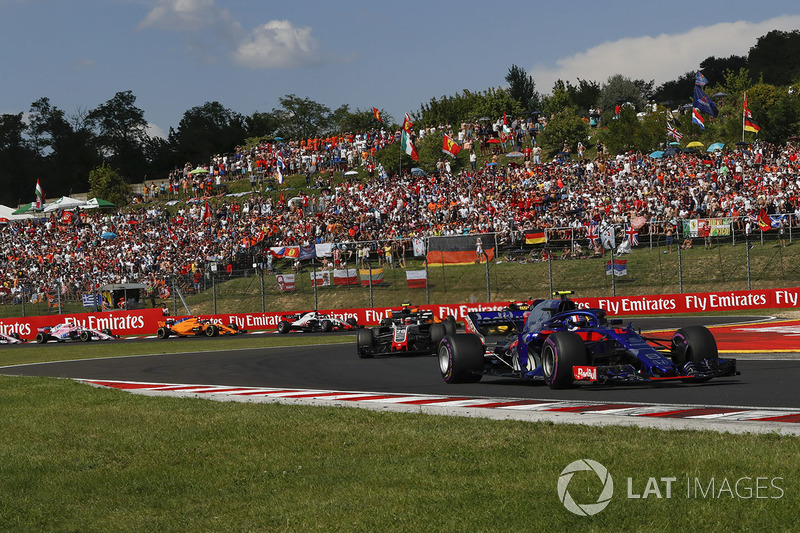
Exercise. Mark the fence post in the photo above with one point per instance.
(427, 276)
(214, 290)
(549, 267)
(488, 288)
(22, 298)
(747, 247)
(314, 284)
(680, 267)
(613, 272)
(174, 296)
(370, 285)
(263, 300)
(58, 297)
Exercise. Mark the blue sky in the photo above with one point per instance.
(176, 54)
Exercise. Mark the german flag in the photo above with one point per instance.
(461, 249)
(751, 125)
(536, 236)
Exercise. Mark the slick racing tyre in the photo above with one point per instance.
(561, 351)
(693, 343)
(85, 336)
(162, 333)
(450, 325)
(352, 321)
(365, 338)
(212, 330)
(438, 331)
(327, 326)
(42, 338)
(461, 358)
(284, 327)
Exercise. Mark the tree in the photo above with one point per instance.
(121, 133)
(301, 118)
(776, 57)
(565, 126)
(522, 88)
(207, 130)
(109, 185)
(342, 119)
(619, 89)
(678, 91)
(17, 161)
(582, 97)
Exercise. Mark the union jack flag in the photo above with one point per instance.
(674, 133)
(632, 235)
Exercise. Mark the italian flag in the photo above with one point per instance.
(405, 139)
(39, 195)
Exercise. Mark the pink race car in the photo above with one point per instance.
(68, 331)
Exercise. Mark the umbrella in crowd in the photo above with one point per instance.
(638, 222)
(493, 141)
(108, 235)
(416, 171)
(515, 154)
(695, 144)
(674, 143)
(199, 171)
(716, 146)
(351, 173)
(742, 143)
(658, 154)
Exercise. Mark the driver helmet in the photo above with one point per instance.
(578, 321)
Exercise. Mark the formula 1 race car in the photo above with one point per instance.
(312, 321)
(407, 331)
(11, 338)
(559, 344)
(68, 331)
(193, 326)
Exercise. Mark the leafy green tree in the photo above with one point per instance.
(453, 110)
(263, 125)
(776, 57)
(677, 91)
(582, 97)
(522, 88)
(109, 185)
(301, 118)
(207, 130)
(565, 126)
(623, 133)
(121, 133)
(18, 161)
(619, 89)
(342, 119)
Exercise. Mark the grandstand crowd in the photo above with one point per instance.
(154, 241)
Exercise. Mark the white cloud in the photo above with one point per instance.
(660, 58)
(278, 43)
(155, 131)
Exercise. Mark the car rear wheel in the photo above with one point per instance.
(42, 338)
(212, 330)
(561, 351)
(162, 333)
(450, 325)
(352, 321)
(86, 336)
(438, 332)
(327, 326)
(284, 327)
(365, 338)
(461, 358)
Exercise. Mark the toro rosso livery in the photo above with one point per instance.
(559, 344)
(68, 331)
(313, 321)
(406, 331)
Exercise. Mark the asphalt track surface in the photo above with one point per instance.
(762, 383)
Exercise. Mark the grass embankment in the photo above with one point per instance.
(77, 458)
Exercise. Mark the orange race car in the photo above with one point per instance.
(193, 326)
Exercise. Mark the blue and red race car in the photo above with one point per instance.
(556, 342)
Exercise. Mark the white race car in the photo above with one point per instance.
(68, 331)
(11, 338)
(312, 321)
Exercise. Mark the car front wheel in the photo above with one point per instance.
(461, 358)
(561, 351)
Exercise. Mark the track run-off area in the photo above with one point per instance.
(761, 399)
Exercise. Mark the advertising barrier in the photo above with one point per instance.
(145, 321)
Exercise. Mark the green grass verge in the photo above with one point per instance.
(74, 458)
(20, 355)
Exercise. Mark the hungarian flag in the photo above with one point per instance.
(345, 276)
(460, 250)
(207, 214)
(377, 114)
(764, 222)
(450, 147)
(285, 282)
(416, 279)
(373, 277)
(535, 236)
(405, 139)
(39, 195)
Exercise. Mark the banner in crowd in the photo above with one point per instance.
(320, 278)
(371, 277)
(416, 279)
(461, 249)
(285, 282)
(620, 267)
(715, 227)
(345, 276)
(137, 322)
